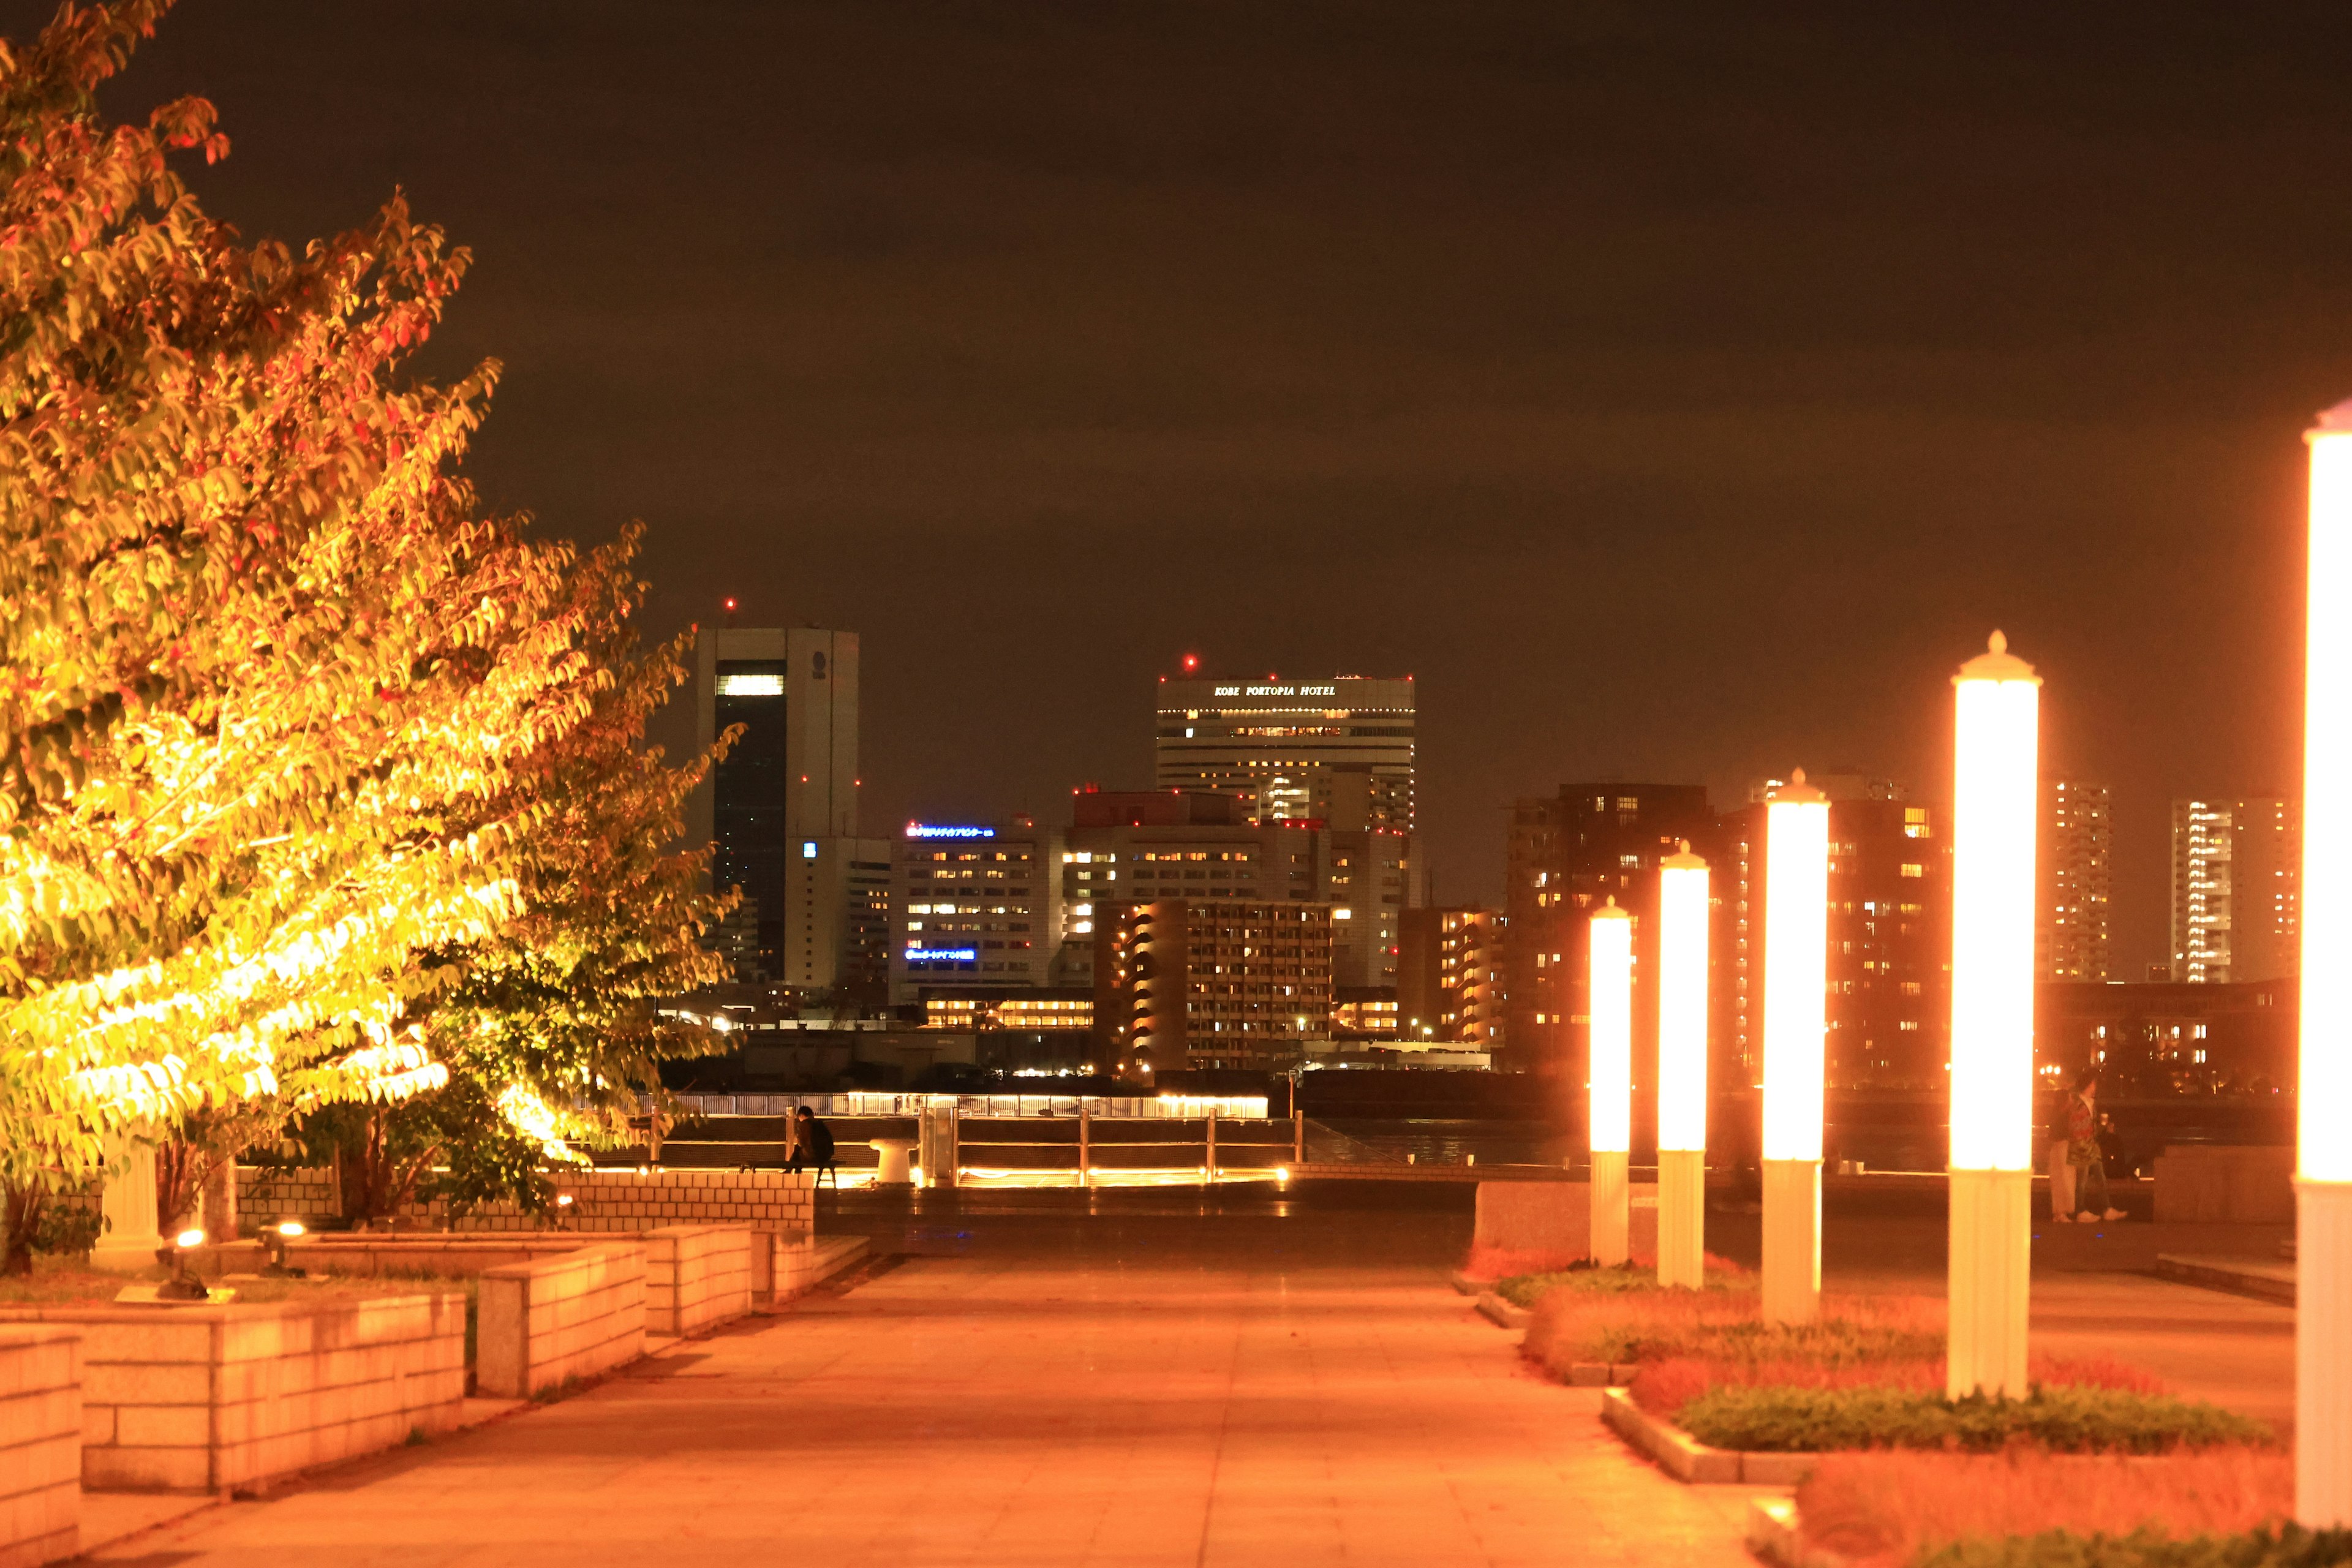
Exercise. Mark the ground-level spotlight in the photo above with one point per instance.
(276, 1238)
(183, 1286)
(2322, 1320)
(1996, 722)
(1683, 914)
(1610, 1079)
(1796, 1027)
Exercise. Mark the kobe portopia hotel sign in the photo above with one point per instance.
(1265, 690)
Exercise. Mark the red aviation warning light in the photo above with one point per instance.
(1192, 662)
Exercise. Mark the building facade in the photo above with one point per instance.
(1450, 976)
(974, 905)
(2069, 936)
(1889, 957)
(1566, 855)
(1338, 751)
(791, 777)
(1183, 982)
(2237, 868)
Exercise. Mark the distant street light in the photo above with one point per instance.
(1796, 1027)
(2323, 1319)
(1610, 1081)
(1683, 915)
(1997, 719)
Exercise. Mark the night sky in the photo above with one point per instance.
(1676, 392)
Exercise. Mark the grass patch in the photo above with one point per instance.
(1724, 1327)
(2030, 1509)
(1782, 1418)
(66, 1282)
(1616, 1279)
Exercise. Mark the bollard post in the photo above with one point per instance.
(1085, 1149)
(1209, 1164)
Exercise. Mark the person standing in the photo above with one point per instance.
(2089, 1161)
(2058, 1161)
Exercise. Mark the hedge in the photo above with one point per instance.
(2291, 1546)
(1782, 1419)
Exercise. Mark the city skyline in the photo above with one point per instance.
(1552, 446)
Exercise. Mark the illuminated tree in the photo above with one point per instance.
(285, 715)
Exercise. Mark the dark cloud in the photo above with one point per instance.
(1673, 389)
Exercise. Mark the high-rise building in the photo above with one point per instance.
(1450, 976)
(790, 778)
(1336, 752)
(1568, 855)
(2236, 888)
(837, 924)
(976, 904)
(1889, 955)
(2069, 936)
(1213, 982)
(1127, 847)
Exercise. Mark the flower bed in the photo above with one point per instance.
(1724, 1328)
(2075, 1420)
(2025, 1508)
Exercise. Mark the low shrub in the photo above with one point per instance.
(1664, 1387)
(1789, 1418)
(1886, 1509)
(1639, 1275)
(2288, 1546)
(1574, 1326)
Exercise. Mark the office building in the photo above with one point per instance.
(1129, 846)
(1450, 976)
(1212, 982)
(2236, 889)
(1889, 956)
(790, 778)
(2069, 937)
(975, 905)
(1569, 854)
(2160, 1037)
(1336, 752)
(837, 928)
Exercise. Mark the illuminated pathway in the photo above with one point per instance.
(1150, 1385)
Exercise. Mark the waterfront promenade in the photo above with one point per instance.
(1285, 1384)
(1146, 1378)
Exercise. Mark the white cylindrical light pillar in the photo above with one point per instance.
(2323, 1317)
(1997, 718)
(1796, 1031)
(1610, 1079)
(1684, 911)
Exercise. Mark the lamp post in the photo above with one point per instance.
(1997, 719)
(1682, 910)
(1796, 1025)
(2322, 1183)
(1609, 955)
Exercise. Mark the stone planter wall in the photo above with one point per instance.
(40, 1444)
(602, 1201)
(566, 1315)
(798, 1264)
(205, 1398)
(698, 1277)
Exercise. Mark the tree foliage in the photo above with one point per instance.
(291, 727)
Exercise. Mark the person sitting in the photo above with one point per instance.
(812, 1143)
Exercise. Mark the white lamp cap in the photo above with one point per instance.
(1682, 859)
(1610, 911)
(1796, 792)
(1996, 663)
(2336, 421)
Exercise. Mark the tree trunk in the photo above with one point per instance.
(22, 1220)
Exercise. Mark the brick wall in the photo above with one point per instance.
(569, 1315)
(40, 1444)
(602, 1201)
(208, 1397)
(696, 1276)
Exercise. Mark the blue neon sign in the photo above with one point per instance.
(929, 830)
(931, 955)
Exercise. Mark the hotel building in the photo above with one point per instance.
(2069, 936)
(791, 779)
(1338, 751)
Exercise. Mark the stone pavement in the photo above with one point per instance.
(1046, 1379)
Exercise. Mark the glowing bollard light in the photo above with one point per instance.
(2323, 1185)
(1682, 910)
(1796, 1025)
(1997, 718)
(1611, 1081)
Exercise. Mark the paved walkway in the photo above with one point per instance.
(1170, 1381)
